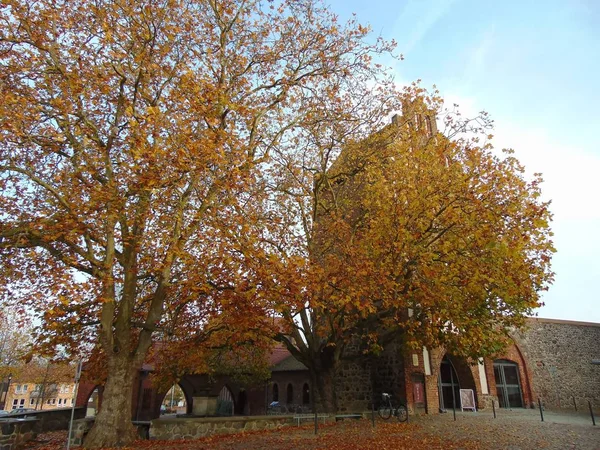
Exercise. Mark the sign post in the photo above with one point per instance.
(73, 401)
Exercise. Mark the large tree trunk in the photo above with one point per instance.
(325, 384)
(113, 427)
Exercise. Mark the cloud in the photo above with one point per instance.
(476, 60)
(416, 19)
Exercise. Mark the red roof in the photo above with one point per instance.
(278, 354)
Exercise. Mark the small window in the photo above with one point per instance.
(275, 392)
(31, 402)
(54, 401)
(22, 402)
(18, 389)
(60, 401)
(15, 403)
(48, 401)
(290, 393)
(24, 388)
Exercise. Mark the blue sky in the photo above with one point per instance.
(535, 67)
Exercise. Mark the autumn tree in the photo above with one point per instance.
(409, 235)
(136, 144)
(15, 339)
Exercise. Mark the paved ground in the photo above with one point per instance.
(511, 430)
(516, 430)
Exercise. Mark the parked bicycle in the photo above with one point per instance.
(388, 409)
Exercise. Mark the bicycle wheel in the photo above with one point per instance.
(402, 413)
(385, 411)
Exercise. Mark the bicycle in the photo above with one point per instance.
(387, 409)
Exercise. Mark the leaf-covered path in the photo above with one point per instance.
(517, 430)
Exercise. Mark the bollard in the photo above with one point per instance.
(454, 403)
(592, 413)
(541, 412)
(373, 413)
(574, 403)
(494, 408)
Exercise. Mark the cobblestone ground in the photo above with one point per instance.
(511, 430)
(515, 430)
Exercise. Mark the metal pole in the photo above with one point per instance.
(540, 405)
(494, 408)
(373, 412)
(592, 413)
(454, 403)
(74, 400)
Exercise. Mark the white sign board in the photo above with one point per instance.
(467, 400)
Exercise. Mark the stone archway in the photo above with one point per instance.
(178, 395)
(226, 405)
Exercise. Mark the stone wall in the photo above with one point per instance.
(361, 382)
(16, 433)
(353, 387)
(20, 428)
(559, 354)
(194, 428)
(51, 419)
(82, 427)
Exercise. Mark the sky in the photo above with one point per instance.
(535, 67)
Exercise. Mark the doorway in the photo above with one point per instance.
(508, 384)
(448, 385)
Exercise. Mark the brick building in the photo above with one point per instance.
(550, 360)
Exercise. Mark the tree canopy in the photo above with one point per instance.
(412, 235)
(137, 140)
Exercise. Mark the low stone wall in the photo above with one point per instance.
(82, 427)
(193, 428)
(19, 428)
(16, 433)
(51, 419)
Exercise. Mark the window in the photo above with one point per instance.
(15, 403)
(18, 389)
(275, 392)
(305, 394)
(24, 388)
(60, 401)
(48, 401)
(290, 393)
(31, 402)
(22, 402)
(54, 401)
